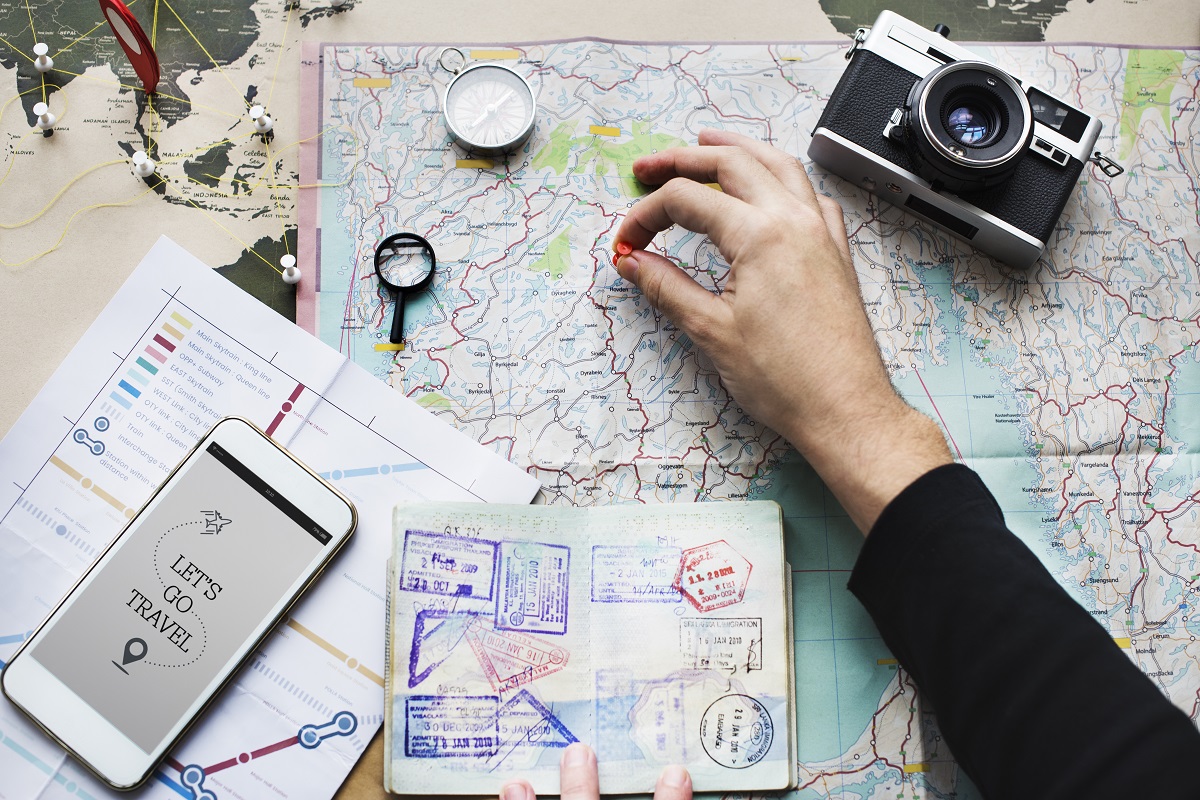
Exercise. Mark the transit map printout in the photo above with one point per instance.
(178, 348)
(1074, 387)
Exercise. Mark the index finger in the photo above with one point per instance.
(681, 201)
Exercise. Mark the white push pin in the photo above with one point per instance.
(45, 120)
(337, 3)
(262, 122)
(291, 273)
(43, 62)
(143, 165)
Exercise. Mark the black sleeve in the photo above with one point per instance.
(1031, 694)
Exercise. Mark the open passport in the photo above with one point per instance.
(656, 634)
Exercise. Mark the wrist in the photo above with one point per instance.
(870, 454)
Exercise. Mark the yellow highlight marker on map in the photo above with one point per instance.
(604, 130)
(372, 83)
(474, 163)
(792, 58)
(496, 55)
(911, 768)
(1122, 642)
(387, 347)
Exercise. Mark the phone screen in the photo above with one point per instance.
(188, 585)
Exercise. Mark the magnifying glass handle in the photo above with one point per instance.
(397, 336)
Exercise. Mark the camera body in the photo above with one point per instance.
(953, 139)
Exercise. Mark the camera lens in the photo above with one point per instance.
(969, 122)
(967, 125)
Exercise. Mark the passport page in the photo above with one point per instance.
(656, 634)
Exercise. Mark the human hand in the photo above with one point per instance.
(580, 780)
(788, 334)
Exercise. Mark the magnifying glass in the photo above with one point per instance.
(404, 262)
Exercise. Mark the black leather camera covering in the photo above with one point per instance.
(872, 87)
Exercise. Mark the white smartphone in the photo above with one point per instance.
(153, 630)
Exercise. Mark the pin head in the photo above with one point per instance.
(135, 650)
(143, 165)
(45, 120)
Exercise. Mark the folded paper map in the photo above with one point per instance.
(657, 634)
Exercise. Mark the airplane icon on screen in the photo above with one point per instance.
(214, 522)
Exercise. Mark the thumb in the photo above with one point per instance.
(694, 310)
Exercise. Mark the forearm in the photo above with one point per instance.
(1031, 694)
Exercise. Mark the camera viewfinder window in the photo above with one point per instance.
(1053, 114)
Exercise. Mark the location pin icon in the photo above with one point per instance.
(135, 650)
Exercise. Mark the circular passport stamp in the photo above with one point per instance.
(736, 731)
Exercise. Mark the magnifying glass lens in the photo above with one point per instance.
(404, 266)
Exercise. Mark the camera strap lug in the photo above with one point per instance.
(1109, 167)
(860, 36)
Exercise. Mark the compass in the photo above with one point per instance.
(489, 108)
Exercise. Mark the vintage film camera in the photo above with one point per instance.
(955, 140)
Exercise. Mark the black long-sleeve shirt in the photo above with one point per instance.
(1031, 694)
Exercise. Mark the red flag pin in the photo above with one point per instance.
(134, 42)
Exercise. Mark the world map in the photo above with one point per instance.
(1072, 387)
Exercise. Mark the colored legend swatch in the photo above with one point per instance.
(143, 370)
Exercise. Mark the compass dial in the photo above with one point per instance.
(489, 109)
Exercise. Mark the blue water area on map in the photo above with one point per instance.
(984, 417)
(842, 666)
(1183, 425)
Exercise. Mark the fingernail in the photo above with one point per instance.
(516, 791)
(577, 754)
(627, 267)
(673, 777)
